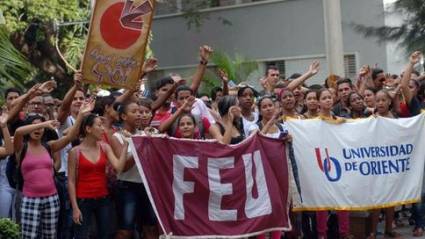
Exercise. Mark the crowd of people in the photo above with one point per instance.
(66, 167)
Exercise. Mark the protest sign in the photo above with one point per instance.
(358, 165)
(115, 49)
(204, 189)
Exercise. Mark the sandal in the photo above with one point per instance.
(418, 232)
(392, 234)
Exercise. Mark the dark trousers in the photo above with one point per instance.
(100, 208)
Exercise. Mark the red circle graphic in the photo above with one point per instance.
(113, 33)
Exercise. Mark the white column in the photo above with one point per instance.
(333, 37)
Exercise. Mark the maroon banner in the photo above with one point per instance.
(207, 189)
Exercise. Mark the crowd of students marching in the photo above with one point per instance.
(66, 170)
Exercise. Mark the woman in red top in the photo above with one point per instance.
(87, 185)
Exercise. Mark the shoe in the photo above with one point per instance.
(418, 232)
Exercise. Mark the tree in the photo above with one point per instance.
(35, 30)
(411, 33)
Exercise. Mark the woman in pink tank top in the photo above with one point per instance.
(40, 202)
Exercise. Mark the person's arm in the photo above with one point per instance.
(225, 80)
(72, 134)
(117, 148)
(364, 76)
(77, 217)
(163, 98)
(117, 163)
(404, 84)
(166, 125)
(228, 125)
(7, 149)
(214, 132)
(313, 69)
(65, 107)
(18, 139)
(19, 103)
(205, 53)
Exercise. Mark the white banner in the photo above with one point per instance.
(359, 164)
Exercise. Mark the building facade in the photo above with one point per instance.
(287, 33)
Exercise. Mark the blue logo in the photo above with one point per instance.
(330, 166)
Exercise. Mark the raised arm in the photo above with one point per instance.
(19, 103)
(65, 107)
(166, 125)
(72, 134)
(204, 53)
(365, 75)
(225, 80)
(7, 149)
(117, 163)
(313, 69)
(20, 132)
(404, 84)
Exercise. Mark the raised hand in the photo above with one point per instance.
(223, 75)
(87, 107)
(35, 90)
(364, 71)
(150, 65)
(48, 86)
(313, 69)
(52, 124)
(78, 79)
(189, 102)
(205, 52)
(234, 112)
(178, 79)
(415, 57)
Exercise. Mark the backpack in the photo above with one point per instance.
(13, 170)
(199, 125)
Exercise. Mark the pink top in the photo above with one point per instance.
(37, 171)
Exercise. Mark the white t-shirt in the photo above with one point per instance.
(274, 135)
(247, 123)
(199, 108)
(131, 175)
(69, 122)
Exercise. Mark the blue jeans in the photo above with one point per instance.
(65, 213)
(418, 213)
(133, 204)
(101, 209)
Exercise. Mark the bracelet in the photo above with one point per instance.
(203, 62)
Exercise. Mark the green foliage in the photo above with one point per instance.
(15, 69)
(19, 14)
(9, 229)
(238, 69)
(410, 33)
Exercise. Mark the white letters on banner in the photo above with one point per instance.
(180, 186)
(218, 190)
(261, 205)
(254, 206)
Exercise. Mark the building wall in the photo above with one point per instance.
(270, 30)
